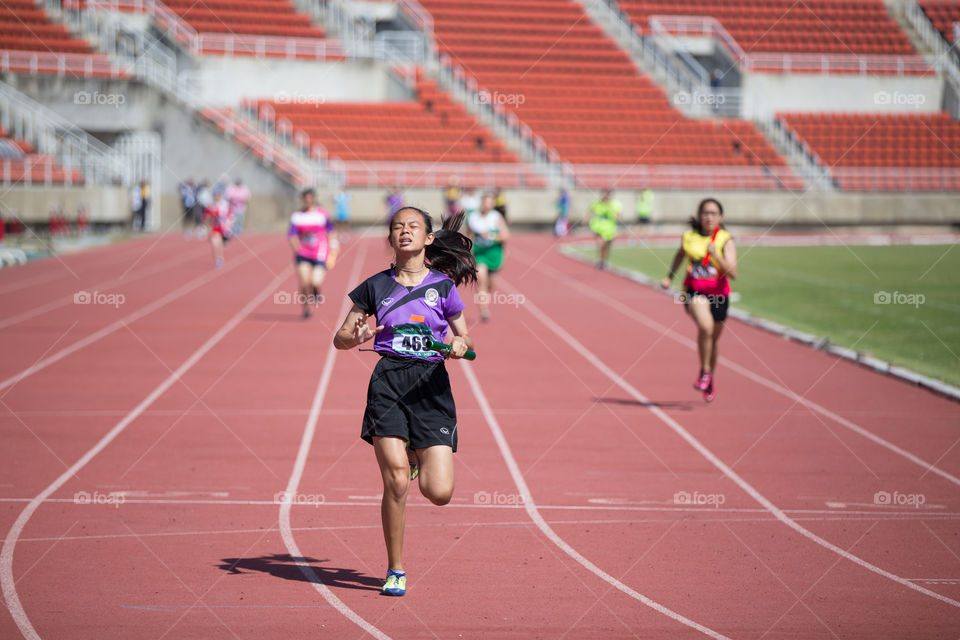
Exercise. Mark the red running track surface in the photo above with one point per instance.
(183, 411)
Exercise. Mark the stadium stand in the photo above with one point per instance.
(815, 26)
(20, 165)
(254, 17)
(433, 129)
(25, 26)
(546, 61)
(907, 150)
(943, 14)
(30, 42)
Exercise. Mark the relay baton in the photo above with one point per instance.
(445, 348)
(706, 257)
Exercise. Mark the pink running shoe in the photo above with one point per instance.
(710, 392)
(703, 382)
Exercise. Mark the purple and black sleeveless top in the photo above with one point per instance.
(408, 314)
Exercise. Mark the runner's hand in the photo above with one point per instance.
(362, 331)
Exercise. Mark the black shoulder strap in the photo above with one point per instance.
(411, 295)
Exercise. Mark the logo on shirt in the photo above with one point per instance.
(431, 296)
(386, 301)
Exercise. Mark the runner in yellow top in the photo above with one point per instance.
(605, 216)
(711, 262)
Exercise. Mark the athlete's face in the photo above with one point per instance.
(488, 202)
(408, 232)
(709, 217)
(308, 200)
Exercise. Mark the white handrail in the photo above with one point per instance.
(685, 25)
(944, 60)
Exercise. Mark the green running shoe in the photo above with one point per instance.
(414, 462)
(396, 584)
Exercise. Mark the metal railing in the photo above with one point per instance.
(945, 56)
(795, 149)
(772, 62)
(78, 65)
(132, 158)
(438, 174)
(683, 177)
(199, 43)
(896, 179)
(663, 63)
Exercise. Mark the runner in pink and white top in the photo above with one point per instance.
(314, 241)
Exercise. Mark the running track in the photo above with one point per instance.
(200, 398)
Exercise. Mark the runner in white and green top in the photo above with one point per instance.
(489, 232)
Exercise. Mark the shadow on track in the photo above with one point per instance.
(683, 405)
(283, 565)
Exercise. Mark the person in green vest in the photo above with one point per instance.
(644, 206)
(605, 214)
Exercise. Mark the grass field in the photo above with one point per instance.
(899, 303)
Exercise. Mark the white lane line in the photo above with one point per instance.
(531, 508)
(638, 317)
(779, 514)
(68, 299)
(300, 464)
(136, 315)
(58, 275)
(805, 514)
(6, 556)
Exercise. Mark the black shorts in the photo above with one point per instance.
(718, 304)
(411, 399)
(316, 263)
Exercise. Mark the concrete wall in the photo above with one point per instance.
(270, 210)
(769, 93)
(537, 207)
(224, 81)
(32, 204)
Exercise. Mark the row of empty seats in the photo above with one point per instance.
(19, 164)
(25, 26)
(943, 14)
(579, 91)
(884, 152)
(785, 26)
(432, 129)
(246, 17)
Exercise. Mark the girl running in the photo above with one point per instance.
(410, 418)
(605, 214)
(489, 232)
(711, 261)
(314, 243)
(219, 218)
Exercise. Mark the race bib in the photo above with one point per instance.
(700, 272)
(309, 239)
(412, 340)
